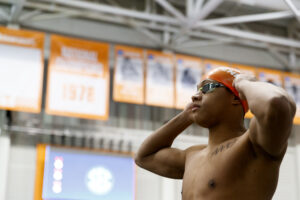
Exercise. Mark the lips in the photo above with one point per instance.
(195, 107)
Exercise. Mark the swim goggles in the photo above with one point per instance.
(209, 87)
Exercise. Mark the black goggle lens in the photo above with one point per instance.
(206, 88)
(209, 87)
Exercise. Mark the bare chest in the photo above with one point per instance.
(211, 173)
(208, 173)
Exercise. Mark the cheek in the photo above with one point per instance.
(208, 103)
(213, 105)
(206, 112)
(204, 118)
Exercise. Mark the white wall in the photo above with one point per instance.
(4, 162)
(21, 173)
(287, 188)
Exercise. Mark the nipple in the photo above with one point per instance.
(212, 183)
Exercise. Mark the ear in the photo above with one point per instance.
(235, 100)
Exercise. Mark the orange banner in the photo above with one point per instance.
(189, 71)
(270, 76)
(22, 59)
(292, 86)
(160, 79)
(23, 38)
(129, 75)
(247, 70)
(78, 78)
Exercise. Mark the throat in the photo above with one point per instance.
(220, 134)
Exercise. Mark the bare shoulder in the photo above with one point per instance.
(258, 151)
(194, 149)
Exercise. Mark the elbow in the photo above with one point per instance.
(282, 107)
(138, 160)
(142, 161)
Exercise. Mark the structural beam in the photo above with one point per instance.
(115, 11)
(4, 15)
(16, 10)
(254, 36)
(147, 33)
(246, 38)
(208, 8)
(171, 9)
(198, 6)
(212, 36)
(245, 18)
(166, 38)
(52, 16)
(113, 2)
(292, 59)
(293, 8)
(148, 6)
(189, 6)
(206, 43)
(29, 15)
(279, 57)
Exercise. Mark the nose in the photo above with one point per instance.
(196, 97)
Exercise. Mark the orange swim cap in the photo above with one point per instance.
(226, 76)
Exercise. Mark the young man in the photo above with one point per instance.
(236, 164)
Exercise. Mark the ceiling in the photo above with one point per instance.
(272, 25)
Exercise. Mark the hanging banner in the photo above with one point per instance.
(129, 75)
(212, 64)
(160, 79)
(189, 71)
(270, 76)
(292, 86)
(21, 59)
(78, 78)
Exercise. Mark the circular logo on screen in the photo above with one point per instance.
(99, 180)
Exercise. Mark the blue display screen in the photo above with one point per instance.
(85, 175)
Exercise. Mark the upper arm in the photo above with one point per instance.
(271, 130)
(168, 162)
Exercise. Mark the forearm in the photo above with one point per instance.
(260, 96)
(164, 136)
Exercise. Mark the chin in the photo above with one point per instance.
(201, 122)
(204, 121)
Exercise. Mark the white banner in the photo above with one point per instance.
(160, 80)
(21, 71)
(129, 75)
(189, 72)
(78, 79)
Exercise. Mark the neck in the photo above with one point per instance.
(223, 132)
